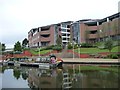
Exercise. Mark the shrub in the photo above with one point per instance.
(49, 47)
(75, 46)
(109, 45)
(113, 56)
(118, 55)
(70, 46)
(58, 48)
(86, 45)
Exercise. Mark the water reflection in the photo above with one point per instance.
(67, 77)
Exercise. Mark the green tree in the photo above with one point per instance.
(24, 76)
(59, 40)
(109, 45)
(17, 46)
(69, 46)
(25, 43)
(16, 73)
(2, 46)
(58, 48)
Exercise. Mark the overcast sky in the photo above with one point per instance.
(17, 17)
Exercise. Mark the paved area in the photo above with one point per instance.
(89, 60)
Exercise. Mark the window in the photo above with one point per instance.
(93, 32)
(63, 34)
(64, 25)
(44, 43)
(47, 35)
(64, 30)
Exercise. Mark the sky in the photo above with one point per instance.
(18, 17)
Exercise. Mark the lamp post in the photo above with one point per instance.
(101, 33)
(73, 49)
(79, 68)
(79, 51)
(39, 50)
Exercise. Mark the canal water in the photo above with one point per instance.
(70, 76)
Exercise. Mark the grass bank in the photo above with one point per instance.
(95, 50)
(95, 68)
(41, 52)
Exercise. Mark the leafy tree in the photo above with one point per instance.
(25, 42)
(16, 73)
(24, 76)
(2, 46)
(59, 40)
(70, 46)
(17, 46)
(109, 45)
(58, 48)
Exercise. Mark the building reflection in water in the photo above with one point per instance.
(43, 78)
(71, 76)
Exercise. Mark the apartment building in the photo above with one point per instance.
(41, 36)
(81, 31)
(95, 30)
(48, 35)
(64, 31)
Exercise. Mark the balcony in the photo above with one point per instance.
(65, 28)
(92, 28)
(65, 32)
(65, 41)
(93, 36)
(44, 32)
(44, 39)
(65, 36)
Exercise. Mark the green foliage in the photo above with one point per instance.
(2, 46)
(75, 46)
(24, 76)
(113, 56)
(37, 52)
(69, 46)
(59, 40)
(49, 47)
(25, 42)
(86, 45)
(58, 48)
(109, 45)
(96, 50)
(17, 46)
(118, 55)
(16, 73)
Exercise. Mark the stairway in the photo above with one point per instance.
(67, 83)
(65, 54)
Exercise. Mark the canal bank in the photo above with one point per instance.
(90, 61)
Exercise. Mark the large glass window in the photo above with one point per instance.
(44, 43)
(64, 25)
(64, 30)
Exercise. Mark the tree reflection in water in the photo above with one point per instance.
(16, 73)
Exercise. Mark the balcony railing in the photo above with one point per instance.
(45, 39)
(92, 28)
(44, 32)
(65, 36)
(93, 35)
